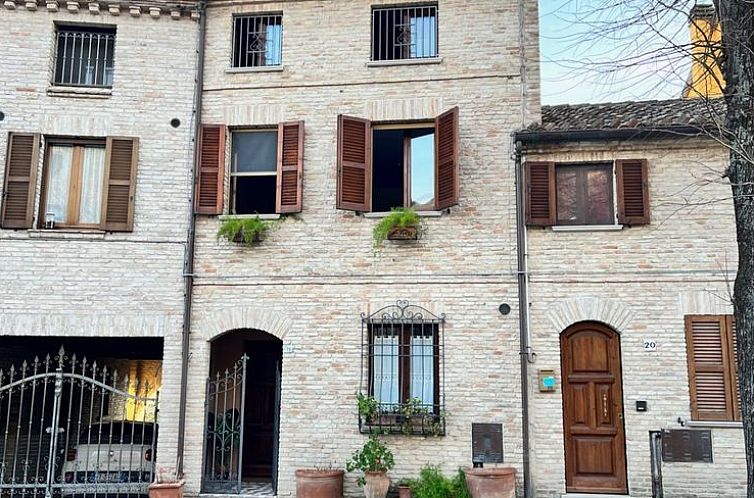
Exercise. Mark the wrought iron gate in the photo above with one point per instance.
(223, 434)
(69, 426)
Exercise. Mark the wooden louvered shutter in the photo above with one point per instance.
(446, 159)
(541, 200)
(22, 160)
(354, 164)
(211, 169)
(735, 382)
(633, 192)
(121, 158)
(709, 368)
(290, 167)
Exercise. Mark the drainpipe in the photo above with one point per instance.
(188, 258)
(526, 353)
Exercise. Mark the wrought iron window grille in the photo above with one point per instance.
(257, 40)
(84, 56)
(402, 372)
(408, 32)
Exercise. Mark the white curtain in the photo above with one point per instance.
(93, 170)
(422, 369)
(385, 367)
(58, 183)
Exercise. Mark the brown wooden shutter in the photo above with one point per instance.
(541, 200)
(354, 164)
(211, 165)
(446, 159)
(709, 368)
(290, 167)
(19, 188)
(735, 382)
(121, 158)
(633, 192)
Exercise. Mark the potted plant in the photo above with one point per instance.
(400, 224)
(404, 488)
(244, 230)
(319, 482)
(497, 482)
(167, 484)
(374, 459)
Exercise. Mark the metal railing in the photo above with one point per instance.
(404, 32)
(84, 58)
(257, 40)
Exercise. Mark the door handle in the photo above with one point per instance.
(604, 406)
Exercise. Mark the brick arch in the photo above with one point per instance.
(246, 317)
(611, 312)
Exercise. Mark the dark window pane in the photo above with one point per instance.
(254, 194)
(387, 170)
(255, 152)
(585, 194)
(84, 56)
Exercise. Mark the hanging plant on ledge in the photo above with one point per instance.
(246, 231)
(400, 224)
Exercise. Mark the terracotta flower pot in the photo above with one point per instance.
(313, 483)
(377, 484)
(166, 489)
(404, 491)
(403, 233)
(491, 483)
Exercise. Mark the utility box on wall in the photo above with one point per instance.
(486, 443)
(546, 381)
(686, 445)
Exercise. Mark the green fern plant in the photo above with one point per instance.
(244, 230)
(398, 217)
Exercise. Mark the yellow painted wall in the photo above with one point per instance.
(706, 76)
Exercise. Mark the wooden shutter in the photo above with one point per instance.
(633, 192)
(446, 159)
(541, 200)
(735, 382)
(354, 164)
(709, 368)
(290, 167)
(121, 158)
(21, 164)
(211, 168)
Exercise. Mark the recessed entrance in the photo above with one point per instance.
(595, 442)
(243, 413)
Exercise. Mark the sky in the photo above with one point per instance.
(584, 61)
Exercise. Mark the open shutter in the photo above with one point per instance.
(354, 164)
(633, 192)
(735, 382)
(22, 160)
(290, 167)
(211, 166)
(709, 368)
(541, 200)
(121, 157)
(446, 159)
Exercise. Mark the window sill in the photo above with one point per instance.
(224, 217)
(66, 233)
(80, 92)
(422, 214)
(405, 62)
(256, 69)
(587, 228)
(714, 424)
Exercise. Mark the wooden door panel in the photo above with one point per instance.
(594, 434)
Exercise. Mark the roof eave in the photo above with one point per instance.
(544, 137)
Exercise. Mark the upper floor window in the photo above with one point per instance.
(257, 40)
(253, 173)
(84, 56)
(585, 194)
(404, 32)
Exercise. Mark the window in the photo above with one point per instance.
(257, 40)
(404, 32)
(403, 350)
(253, 175)
(713, 368)
(381, 167)
(84, 56)
(610, 193)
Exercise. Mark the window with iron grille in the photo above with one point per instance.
(257, 40)
(84, 56)
(402, 371)
(404, 32)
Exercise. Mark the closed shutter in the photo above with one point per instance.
(290, 167)
(446, 159)
(354, 164)
(122, 156)
(19, 188)
(734, 368)
(709, 368)
(541, 201)
(633, 192)
(211, 166)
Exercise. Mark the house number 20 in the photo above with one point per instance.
(650, 345)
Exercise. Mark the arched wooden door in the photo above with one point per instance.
(595, 441)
